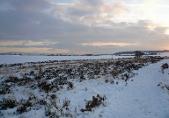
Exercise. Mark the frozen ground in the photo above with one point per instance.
(141, 98)
(11, 59)
(164, 54)
(131, 88)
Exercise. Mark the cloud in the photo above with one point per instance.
(105, 44)
(79, 26)
(30, 5)
(95, 12)
(35, 50)
(5, 6)
(32, 22)
(26, 43)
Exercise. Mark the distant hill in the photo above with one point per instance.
(147, 52)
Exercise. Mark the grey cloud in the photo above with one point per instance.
(82, 8)
(91, 12)
(92, 2)
(28, 5)
(29, 21)
(5, 6)
(133, 33)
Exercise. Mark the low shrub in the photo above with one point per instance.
(164, 66)
(7, 103)
(95, 102)
(66, 104)
(21, 109)
(45, 86)
(70, 85)
(4, 89)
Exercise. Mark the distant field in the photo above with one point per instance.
(12, 59)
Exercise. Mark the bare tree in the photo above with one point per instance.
(138, 54)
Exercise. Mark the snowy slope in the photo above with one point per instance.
(144, 96)
(12, 59)
(141, 98)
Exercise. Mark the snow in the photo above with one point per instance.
(140, 98)
(12, 59)
(164, 54)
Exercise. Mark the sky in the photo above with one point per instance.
(83, 26)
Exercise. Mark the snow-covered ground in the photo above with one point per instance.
(164, 54)
(141, 98)
(12, 59)
(127, 93)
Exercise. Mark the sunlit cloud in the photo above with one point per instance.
(34, 50)
(93, 14)
(151, 26)
(152, 10)
(117, 11)
(104, 44)
(6, 43)
(167, 32)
